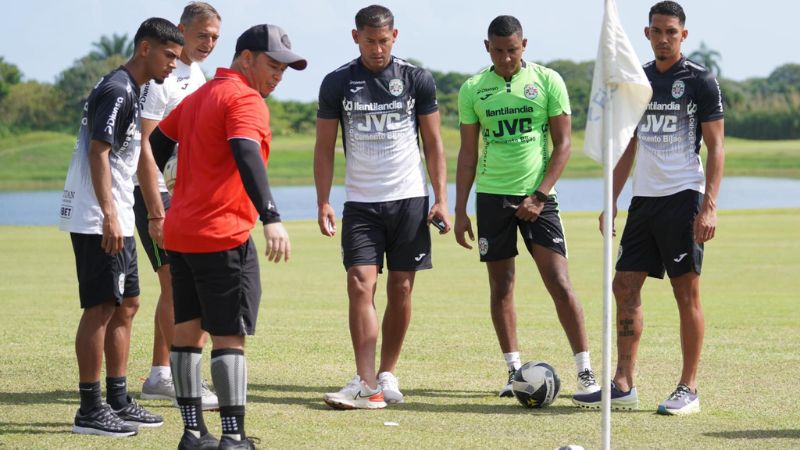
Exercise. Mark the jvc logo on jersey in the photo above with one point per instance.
(380, 122)
(660, 123)
(523, 125)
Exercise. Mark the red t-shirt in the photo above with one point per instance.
(210, 210)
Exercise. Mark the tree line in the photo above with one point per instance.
(757, 108)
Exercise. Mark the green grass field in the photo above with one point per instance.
(39, 160)
(451, 365)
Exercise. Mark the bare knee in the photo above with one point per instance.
(627, 294)
(501, 288)
(400, 288)
(360, 284)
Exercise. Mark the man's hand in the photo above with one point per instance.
(439, 209)
(278, 245)
(155, 227)
(326, 219)
(705, 225)
(613, 217)
(529, 209)
(463, 225)
(112, 235)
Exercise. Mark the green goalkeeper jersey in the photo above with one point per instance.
(513, 116)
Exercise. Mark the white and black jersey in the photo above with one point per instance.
(111, 114)
(669, 132)
(158, 100)
(378, 115)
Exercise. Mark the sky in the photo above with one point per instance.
(44, 37)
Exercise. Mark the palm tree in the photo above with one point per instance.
(117, 44)
(707, 57)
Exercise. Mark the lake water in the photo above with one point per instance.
(299, 202)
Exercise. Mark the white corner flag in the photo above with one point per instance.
(620, 94)
(620, 91)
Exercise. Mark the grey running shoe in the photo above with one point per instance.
(619, 400)
(208, 397)
(102, 421)
(681, 402)
(159, 389)
(205, 442)
(135, 415)
(210, 400)
(507, 390)
(227, 443)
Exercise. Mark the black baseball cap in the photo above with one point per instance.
(272, 40)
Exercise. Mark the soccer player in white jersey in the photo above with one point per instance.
(383, 105)
(97, 211)
(200, 25)
(673, 211)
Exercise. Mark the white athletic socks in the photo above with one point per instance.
(512, 360)
(582, 361)
(160, 373)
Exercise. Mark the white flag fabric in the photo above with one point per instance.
(620, 91)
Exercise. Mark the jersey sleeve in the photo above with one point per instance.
(169, 124)
(154, 100)
(557, 98)
(466, 102)
(709, 106)
(426, 93)
(247, 117)
(108, 107)
(330, 98)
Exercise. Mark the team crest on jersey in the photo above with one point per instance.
(678, 88)
(483, 246)
(396, 87)
(531, 91)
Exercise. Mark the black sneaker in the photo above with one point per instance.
(102, 421)
(138, 416)
(228, 443)
(507, 390)
(204, 442)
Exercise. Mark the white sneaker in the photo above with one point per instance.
(355, 395)
(391, 388)
(159, 389)
(207, 396)
(587, 384)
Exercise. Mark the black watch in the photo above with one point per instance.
(541, 196)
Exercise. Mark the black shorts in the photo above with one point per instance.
(497, 227)
(659, 235)
(157, 255)
(102, 277)
(222, 289)
(398, 228)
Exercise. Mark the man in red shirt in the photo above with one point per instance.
(221, 188)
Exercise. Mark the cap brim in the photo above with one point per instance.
(294, 61)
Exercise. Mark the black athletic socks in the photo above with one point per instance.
(117, 392)
(91, 396)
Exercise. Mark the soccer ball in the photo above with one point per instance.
(536, 384)
(171, 172)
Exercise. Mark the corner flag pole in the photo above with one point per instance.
(608, 183)
(620, 94)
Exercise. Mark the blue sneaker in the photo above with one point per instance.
(619, 400)
(681, 402)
